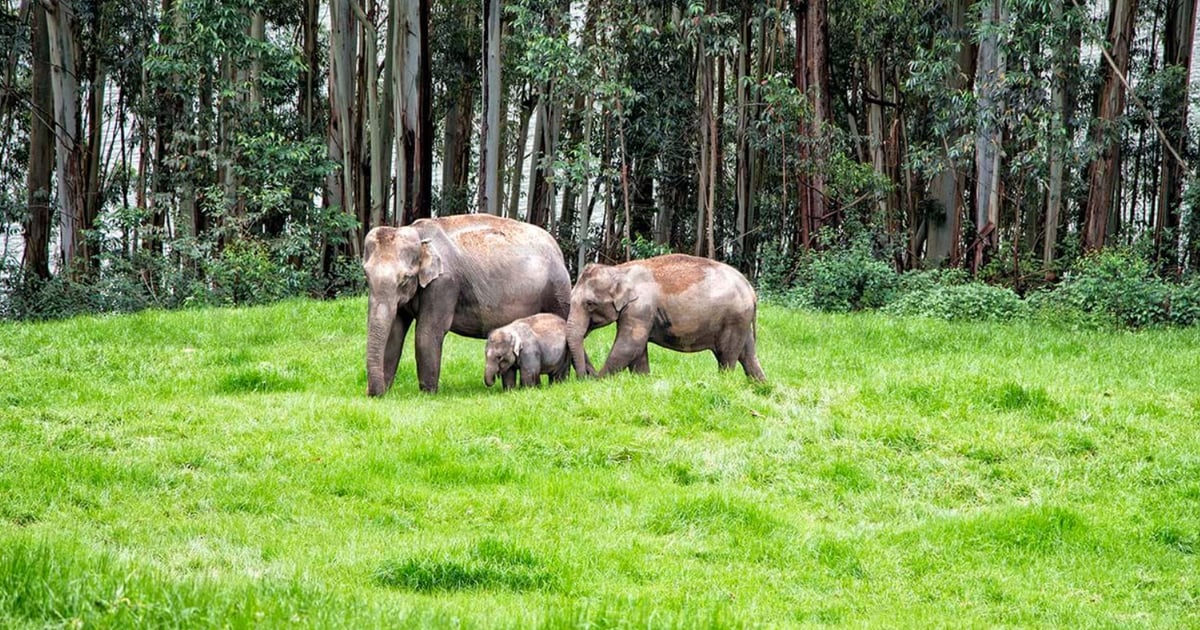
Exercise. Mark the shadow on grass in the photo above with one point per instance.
(489, 565)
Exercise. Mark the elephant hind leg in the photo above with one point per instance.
(729, 347)
(561, 374)
(749, 358)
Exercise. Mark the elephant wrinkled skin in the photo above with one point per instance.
(531, 346)
(467, 274)
(676, 301)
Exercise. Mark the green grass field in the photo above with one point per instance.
(225, 468)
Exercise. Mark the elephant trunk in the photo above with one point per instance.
(489, 373)
(379, 325)
(577, 329)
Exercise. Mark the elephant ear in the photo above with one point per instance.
(623, 292)
(516, 345)
(431, 264)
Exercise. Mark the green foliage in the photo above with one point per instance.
(971, 302)
(247, 273)
(1115, 287)
(642, 247)
(841, 280)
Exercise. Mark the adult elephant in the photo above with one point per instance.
(467, 274)
(680, 302)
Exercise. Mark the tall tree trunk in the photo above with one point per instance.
(1058, 146)
(407, 108)
(1177, 53)
(424, 152)
(744, 159)
(375, 121)
(707, 146)
(947, 188)
(585, 208)
(489, 159)
(456, 148)
(811, 77)
(535, 209)
(60, 23)
(343, 46)
(166, 119)
(876, 130)
(520, 141)
(92, 165)
(311, 72)
(41, 151)
(989, 76)
(306, 98)
(1110, 106)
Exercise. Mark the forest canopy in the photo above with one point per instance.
(204, 151)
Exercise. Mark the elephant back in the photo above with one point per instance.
(507, 269)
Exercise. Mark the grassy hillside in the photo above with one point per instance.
(224, 467)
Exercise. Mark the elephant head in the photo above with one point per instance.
(397, 263)
(597, 300)
(503, 349)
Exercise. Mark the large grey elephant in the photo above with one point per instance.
(677, 301)
(467, 274)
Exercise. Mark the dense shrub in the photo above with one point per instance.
(1112, 287)
(973, 301)
(245, 272)
(843, 280)
(1184, 304)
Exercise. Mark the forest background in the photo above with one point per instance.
(844, 154)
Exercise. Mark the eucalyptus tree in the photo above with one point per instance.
(811, 77)
(41, 150)
(1105, 135)
(1178, 37)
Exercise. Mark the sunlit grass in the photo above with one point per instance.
(224, 468)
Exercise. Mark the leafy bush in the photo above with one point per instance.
(1184, 304)
(927, 280)
(973, 302)
(642, 247)
(247, 273)
(1114, 287)
(844, 280)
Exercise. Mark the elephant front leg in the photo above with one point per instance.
(629, 347)
(430, 337)
(531, 370)
(641, 365)
(509, 378)
(395, 345)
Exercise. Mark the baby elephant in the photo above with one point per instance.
(533, 345)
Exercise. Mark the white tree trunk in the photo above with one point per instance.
(489, 185)
(60, 25)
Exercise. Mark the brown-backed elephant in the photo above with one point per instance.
(531, 346)
(467, 274)
(677, 301)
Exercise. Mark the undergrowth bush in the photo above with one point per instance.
(972, 301)
(1118, 288)
(1113, 288)
(842, 280)
(245, 272)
